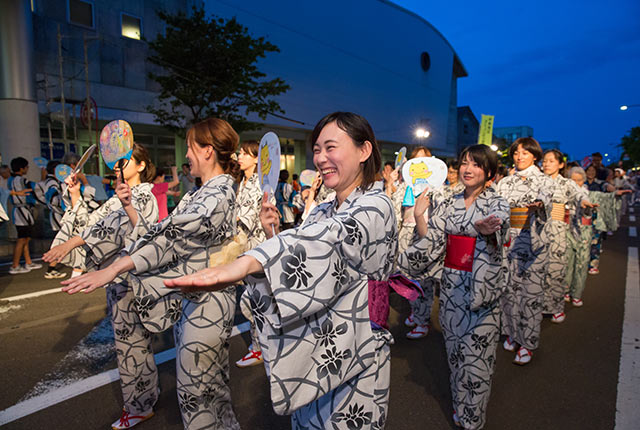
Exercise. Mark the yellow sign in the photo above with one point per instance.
(486, 130)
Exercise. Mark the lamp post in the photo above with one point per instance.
(422, 133)
(626, 107)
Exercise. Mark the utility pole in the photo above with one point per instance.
(62, 102)
(46, 97)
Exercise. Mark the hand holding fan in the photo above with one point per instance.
(63, 171)
(116, 144)
(424, 172)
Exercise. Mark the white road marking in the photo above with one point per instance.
(627, 411)
(632, 218)
(633, 232)
(75, 389)
(32, 295)
(10, 263)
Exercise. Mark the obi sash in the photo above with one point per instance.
(586, 221)
(519, 217)
(560, 213)
(379, 297)
(460, 251)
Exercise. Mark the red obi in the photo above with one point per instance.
(586, 221)
(567, 216)
(460, 251)
(379, 296)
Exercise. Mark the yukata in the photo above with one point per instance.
(21, 214)
(103, 242)
(77, 218)
(566, 194)
(578, 249)
(248, 206)
(201, 224)
(421, 307)
(604, 220)
(473, 280)
(328, 363)
(49, 193)
(526, 255)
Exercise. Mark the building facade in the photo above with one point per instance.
(513, 132)
(378, 59)
(468, 128)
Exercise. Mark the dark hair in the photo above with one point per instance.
(159, 172)
(484, 157)
(294, 177)
(224, 140)
(250, 147)
(454, 163)
(284, 175)
(559, 156)
(419, 148)
(528, 143)
(502, 170)
(51, 167)
(70, 158)
(185, 164)
(591, 166)
(18, 164)
(596, 154)
(360, 131)
(391, 164)
(141, 155)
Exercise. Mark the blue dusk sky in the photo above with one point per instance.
(562, 67)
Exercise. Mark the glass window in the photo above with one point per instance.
(81, 12)
(131, 26)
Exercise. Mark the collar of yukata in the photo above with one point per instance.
(532, 170)
(377, 186)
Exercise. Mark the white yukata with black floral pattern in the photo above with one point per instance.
(567, 194)
(469, 301)
(249, 204)
(527, 256)
(179, 245)
(49, 193)
(103, 242)
(326, 364)
(85, 213)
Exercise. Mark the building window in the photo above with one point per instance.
(81, 13)
(131, 26)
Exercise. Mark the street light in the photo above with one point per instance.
(494, 147)
(625, 107)
(421, 133)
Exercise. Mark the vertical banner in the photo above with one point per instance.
(486, 130)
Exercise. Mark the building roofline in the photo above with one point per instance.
(461, 71)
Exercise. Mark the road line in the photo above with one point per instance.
(32, 295)
(48, 320)
(633, 232)
(75, 389)
(627, 411)
(11, 263)
(632, 218)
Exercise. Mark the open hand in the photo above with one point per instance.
(57, 253)
(88, 282)
(489, 225)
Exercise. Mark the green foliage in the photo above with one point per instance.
(210, 70)
(631, 145)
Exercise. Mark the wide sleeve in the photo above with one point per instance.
(183, 233)
(107, 237)
(424, 254)
(249, 209)
(309, 268)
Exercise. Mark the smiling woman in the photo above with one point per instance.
(327, 354)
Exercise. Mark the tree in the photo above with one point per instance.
(631, 145)
(209, 70)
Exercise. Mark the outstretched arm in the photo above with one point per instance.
(90, 281)
(217, 278)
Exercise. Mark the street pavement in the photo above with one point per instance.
(55, 341)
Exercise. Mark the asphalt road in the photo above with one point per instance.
(53, 340)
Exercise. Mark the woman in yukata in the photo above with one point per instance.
(469, 230)
(566, 195)
(529, 193)
(578, 242)
(248, 218)
(323, 341)
(181, 244)
(117, 224)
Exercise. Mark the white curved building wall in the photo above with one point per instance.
(361, 56)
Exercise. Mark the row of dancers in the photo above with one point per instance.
(317, 294)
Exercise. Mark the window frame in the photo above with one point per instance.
(93, 14)
(122, 14)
